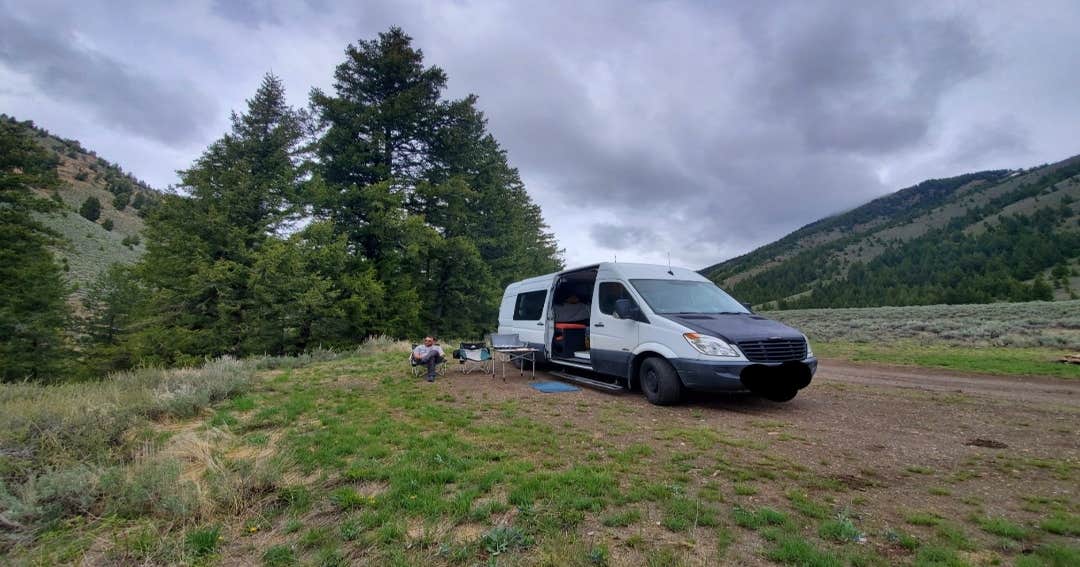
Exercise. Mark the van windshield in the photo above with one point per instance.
(681, 296)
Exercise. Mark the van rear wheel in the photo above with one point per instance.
(660, 382)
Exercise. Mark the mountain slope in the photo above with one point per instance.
(987, 236)
(91, 246)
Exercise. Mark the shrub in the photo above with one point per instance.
(121, 200)
(45, 427)
(56, 494)
(90, 209)
(154, 488)
(107, 224)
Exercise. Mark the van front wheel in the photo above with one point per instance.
(660, 382)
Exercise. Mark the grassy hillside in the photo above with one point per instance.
(91, 247)
(993, 235)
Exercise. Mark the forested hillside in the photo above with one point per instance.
(975, 238)
(101, 208)
(384, 209)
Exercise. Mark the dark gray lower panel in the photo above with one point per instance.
(613, 362)
(728, 376)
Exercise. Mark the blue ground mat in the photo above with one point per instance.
(552, 387)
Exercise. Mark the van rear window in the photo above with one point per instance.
(530, 305)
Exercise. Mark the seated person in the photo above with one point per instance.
(428, 354)
(572, 310)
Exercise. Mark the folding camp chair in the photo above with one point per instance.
(417, 368)
(474, 356)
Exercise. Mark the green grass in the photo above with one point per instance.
(204, 541)
(622, 519)
(1003, 527)
(984, 360)
(805, 506)
(791, 549)
(350, 460)
(1062, 523)
(840, 529)
(902, 539)
(759, 518)
(1053, 555)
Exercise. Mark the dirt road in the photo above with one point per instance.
(892, 441)
(1010, 388)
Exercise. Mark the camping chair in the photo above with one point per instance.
(418, 369)
(474, 356)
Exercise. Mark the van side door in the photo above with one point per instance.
(528, 316)
(611, 339)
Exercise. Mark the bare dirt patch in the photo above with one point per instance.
(882, 441)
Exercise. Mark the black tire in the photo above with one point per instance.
(660, 382)
(781, 394)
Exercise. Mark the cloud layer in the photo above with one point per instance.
(699, 129)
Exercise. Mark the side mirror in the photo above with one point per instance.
(626, 309)
(748, 307)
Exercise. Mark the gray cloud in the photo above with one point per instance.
(638, 127)
(862, 78)
(250, 13)
(619, 237)
(988, 140)
(172, 111)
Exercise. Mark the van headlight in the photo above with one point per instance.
(809, 351)
(710, 346)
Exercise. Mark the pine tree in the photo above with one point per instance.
(201, 248)
(110, 312)
(422, 191)
(33, 312)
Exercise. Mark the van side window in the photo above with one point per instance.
(529, 305)
(609, 292)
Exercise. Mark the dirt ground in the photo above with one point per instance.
(900, 440)
(901, 415)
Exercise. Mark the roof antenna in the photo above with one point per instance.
(669, 263)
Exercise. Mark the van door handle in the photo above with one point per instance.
(598, 324)
(540, 324)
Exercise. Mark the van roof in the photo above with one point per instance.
(649, 271)
(625, 269)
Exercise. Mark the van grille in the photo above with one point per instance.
(774, 350)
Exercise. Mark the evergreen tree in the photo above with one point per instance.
(422, 192)
(201, 249)
(91, 209)
(33, 311)
(382, 118)
(110, 306)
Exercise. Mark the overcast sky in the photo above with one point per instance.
(703, 129)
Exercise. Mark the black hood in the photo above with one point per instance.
(735, 327)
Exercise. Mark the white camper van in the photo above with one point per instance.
(659, 328)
